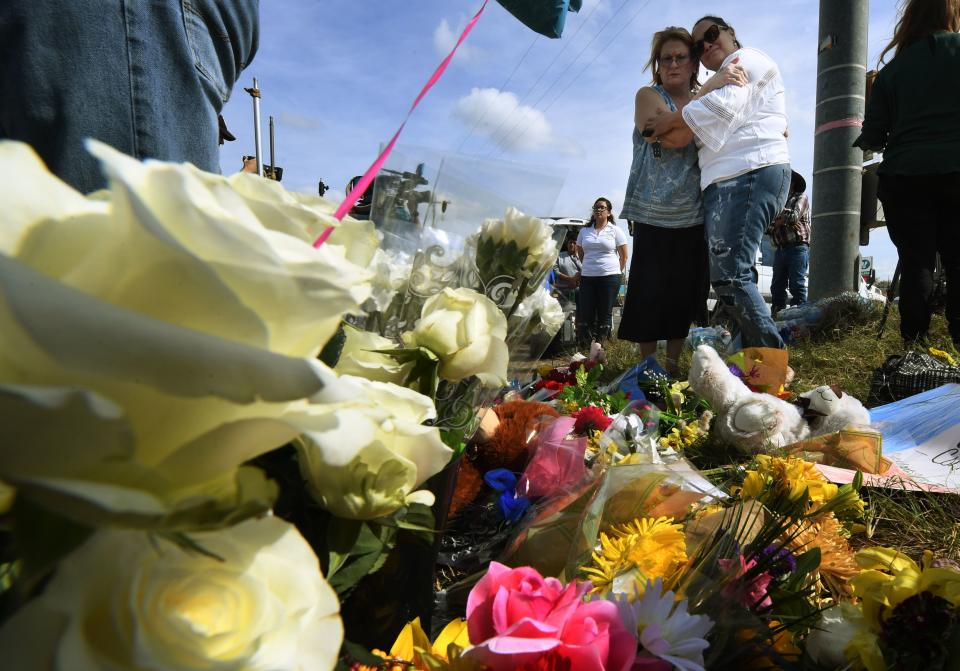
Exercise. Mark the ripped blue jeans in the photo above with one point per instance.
(737, 212)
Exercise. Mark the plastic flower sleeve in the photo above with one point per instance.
(631, 491)
(557, 463)
(433, 208)
(632, 435)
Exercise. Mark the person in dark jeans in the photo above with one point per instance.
(790, 233)
(913, 116)
(602, 247)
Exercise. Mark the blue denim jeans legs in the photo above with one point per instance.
(790, 269)
(595, 307)
(147, 78)
(737, 212)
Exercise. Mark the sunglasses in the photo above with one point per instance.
(709, 37)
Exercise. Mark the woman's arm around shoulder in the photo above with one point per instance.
(647, 106)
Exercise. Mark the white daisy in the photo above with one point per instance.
(666, 630)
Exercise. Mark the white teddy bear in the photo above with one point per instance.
(757, 422)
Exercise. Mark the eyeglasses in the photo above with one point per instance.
(667, 61)
(599, 208)
(709, 37)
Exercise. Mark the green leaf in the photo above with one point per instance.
(330, 354)
(370, 550)
(808, 562)
(419, 518)
(342, 537)
(594, 375)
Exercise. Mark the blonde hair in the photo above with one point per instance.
(920, 19)
(660, 38)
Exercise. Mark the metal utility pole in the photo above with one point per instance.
(254, 92)
(838, 166)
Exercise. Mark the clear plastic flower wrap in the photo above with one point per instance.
(452, 222)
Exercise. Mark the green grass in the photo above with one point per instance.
(845, 354)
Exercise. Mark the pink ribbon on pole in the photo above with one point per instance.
(849, 122)
(365, 181)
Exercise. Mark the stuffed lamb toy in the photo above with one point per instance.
(757, 422)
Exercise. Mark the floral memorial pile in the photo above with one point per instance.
(225, 448)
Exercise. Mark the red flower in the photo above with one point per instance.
(552, 385)
(590, 418)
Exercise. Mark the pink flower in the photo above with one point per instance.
(749, 592)
(516, 617)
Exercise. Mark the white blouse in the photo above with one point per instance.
(740, 128)
(600, 255)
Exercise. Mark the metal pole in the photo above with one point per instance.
(837, 166)
(272, 150)
(258, 141)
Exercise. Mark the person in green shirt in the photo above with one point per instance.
(913, 116)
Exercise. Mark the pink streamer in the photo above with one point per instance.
(357, 192)
(839, 123)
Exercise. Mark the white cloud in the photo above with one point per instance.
(445, 38)
(499, 116)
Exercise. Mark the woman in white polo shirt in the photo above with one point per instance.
(602, 247)
(744, 169)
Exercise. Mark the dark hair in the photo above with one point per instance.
(593, 217)
(922, 19)
(660, 38)
(720, 22)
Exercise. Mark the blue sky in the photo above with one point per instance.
(339, 76)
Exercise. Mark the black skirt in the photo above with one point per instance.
(668, 284)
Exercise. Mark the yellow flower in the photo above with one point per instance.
(681, 436)
(890, 577)
(632, 554)
(790, 476)
(837, 563)
(946, 357)
(567, 407)
(413, 647)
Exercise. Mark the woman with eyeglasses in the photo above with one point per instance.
(602, 248)
(740, 134)
(913, 116)
(663, 205)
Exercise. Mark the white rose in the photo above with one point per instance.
(304, 215)
(358, 357)
(363, 459)
(165, 330)
(528, 233)
(392, 272)
(466, 331)
(128, 600)
(542, 307)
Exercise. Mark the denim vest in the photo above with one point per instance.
(663, 191)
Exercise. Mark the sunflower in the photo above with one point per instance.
(635, 553)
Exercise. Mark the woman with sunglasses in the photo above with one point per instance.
(668, 273)
(913, 116)
(602, 248)
(744, 169)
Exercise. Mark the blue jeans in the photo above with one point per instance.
(790, 268)
(737, 212)
(595, 307)
(146, 77)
